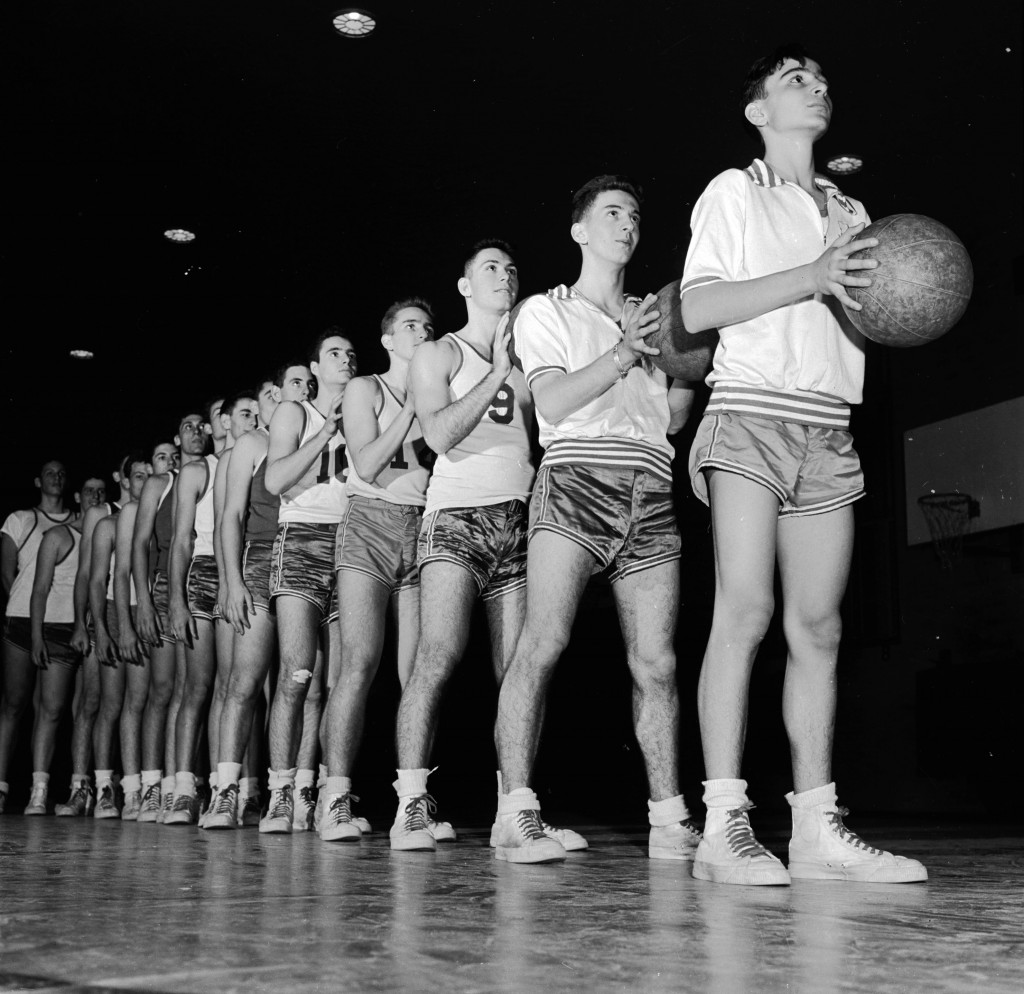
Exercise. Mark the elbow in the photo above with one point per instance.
(436, 442)
(695, 319)
(273, 484)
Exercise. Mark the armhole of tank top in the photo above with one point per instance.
(305, 420)
(170, 486)
(380, 401)
(206, 482)
(462, 359)
(35, 525)
(71, 533)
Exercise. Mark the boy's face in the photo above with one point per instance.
(140, 472)
(337, 361)
(192, 435)
(410, 329)
(241, 419)
(796, 100)
(492, 281)
(611, 228)
(214, 425)
(296, 385)
(165, 458)
(93, 493)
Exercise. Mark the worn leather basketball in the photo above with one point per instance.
(683, 356)
(921, 285)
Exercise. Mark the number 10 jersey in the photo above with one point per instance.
(319, 495)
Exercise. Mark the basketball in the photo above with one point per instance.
(921, 285)
(682, 355)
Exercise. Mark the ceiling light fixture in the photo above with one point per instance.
(352, 22)
(179, 235)
(844, 165)
(81, 354)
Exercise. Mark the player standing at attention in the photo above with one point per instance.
(192, 600)
(214, 428)
(376, 549)
(603, 501)
(306, 467)
(248, 527)
(113, 671)
(155, 520)
(475, 412)
(769, 266)
(20, 536)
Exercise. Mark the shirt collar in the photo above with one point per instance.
(761, 174)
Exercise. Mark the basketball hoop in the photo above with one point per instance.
(949, 517)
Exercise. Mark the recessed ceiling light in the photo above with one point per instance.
(354, 23)
(81, 354)
(179, 235)
(844, 165)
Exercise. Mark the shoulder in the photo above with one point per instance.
(155, 485)
(58, 538)
(18, 521)
(93, 515)
(290, 416)
(438, 357)
(193, 473)
(364, 390)
(730, 183)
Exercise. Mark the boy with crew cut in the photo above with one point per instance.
(769, 265)
(389, 466)
(603, 501)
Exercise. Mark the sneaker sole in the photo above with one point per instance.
(667, 852)
(348, 833)
(278, 827)
(179, 819)
(859, 874)
(414, 842)
(103, 815)
(742, 876)
(216, 823)
(538, 852)
(35, 814)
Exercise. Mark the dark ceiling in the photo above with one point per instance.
(325, 177)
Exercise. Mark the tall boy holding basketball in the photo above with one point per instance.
(774, 458)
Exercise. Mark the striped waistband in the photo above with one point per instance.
(616, 453)
(801, 409)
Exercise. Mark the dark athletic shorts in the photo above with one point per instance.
(161, 605)
(378, 539)
(302, 563)
(201, 588)
(57, 635)
(489, 541)
(256, 572)
(624, 517)
(810, 470)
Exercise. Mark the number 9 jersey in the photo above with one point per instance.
(492, 463)
(319, 496)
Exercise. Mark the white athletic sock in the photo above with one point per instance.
(411, 783)
(214, 782)
(281, 778)
(520, 799)
(304, 778)
(184, 783)
(130, 782)
(721, 797)
(38, 776)
(248, 787)
(167, 785)
(338, 785)
(150, 777)
(670, 811)
(228, 773)
(104, 778)
(826, 794)
(79, 779)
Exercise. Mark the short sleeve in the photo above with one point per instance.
(717, 222)
(539, 339)
(16, 526)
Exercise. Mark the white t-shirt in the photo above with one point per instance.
(26, 529)
(750, 223)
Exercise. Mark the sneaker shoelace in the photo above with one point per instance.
(226, 801)
(283, 804)
(740, 835)
(184, 802)
(529, 824)
(151, 798)
(851, 838)
(419, 813)
(340, 811)
(306, 797)
(80, 795)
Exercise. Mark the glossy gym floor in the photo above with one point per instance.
(88, 906)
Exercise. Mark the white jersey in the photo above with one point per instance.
(60, 602)
(26, 530)
(404, 479)
(203, 528)
(492, 463)
(319, 495)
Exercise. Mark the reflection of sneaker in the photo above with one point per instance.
(823, 848)
(132, 805)
(734, 856)
(166, 804)
(676, 841)
(149, 807)
(79, 804)
(248, 814)
(337, 825)
(569, 840)
(106, 805)
(184, 811)
(3, 800)
(37, 801)
(305, 805)
(223, 812)
(280, 814)
(411, 830)
(521, 839)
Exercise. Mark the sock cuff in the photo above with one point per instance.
(725, 793)
(411, 783)
(152, 776)
(227, 773)
(521, 799)
(131, 781)
(281, 778)
(669, 811)
(338, 785)
(305, 778)
(826, 794)
(38, 776)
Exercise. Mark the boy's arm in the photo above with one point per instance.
(142, 534)
(680, 403)
(128, 641)
(237, 604)
(369, 449)
(8, 563)
(219, 487)
(446, 422)
(558, 394)
(99, 571)
(286, 459)
(80, 597)
(51, 548)
(190, 482)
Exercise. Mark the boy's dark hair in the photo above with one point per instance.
(334, 331)
(232, 401)
(758, 73)
(209, 405)
(583, 199)
(399, 305)
(125, 469)
(282, 371)
(486, 243)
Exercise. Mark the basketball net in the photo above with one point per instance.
(948, 517)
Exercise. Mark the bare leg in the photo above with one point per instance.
(558, 571)
(251, 658)
(56, 688)
(19, 686)
(407, 623)
(744, 518)
(297, 623)
(162, 670)
(170, 739)
(447, 593)
(135, 697)
(223, 641)
(112, 683)
(200, 669)
(648, 603)
(505, 617)
(814, 561)
(86, 707)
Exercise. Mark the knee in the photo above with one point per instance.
(654, 671)
(539, 651)
(13, 705)
(744, 615)
(109, 709)
(160, 694)
(88, 705)
(50, 710)
(821, 630)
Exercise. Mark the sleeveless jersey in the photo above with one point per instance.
(491, 464)
(261, 521)
(26, 529)
(319, 495)
(60, 603)
(163, 524)
(203, 527)
(404, 479)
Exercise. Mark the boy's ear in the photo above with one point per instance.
(579, 233)
(754, 113)
(464, 287)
